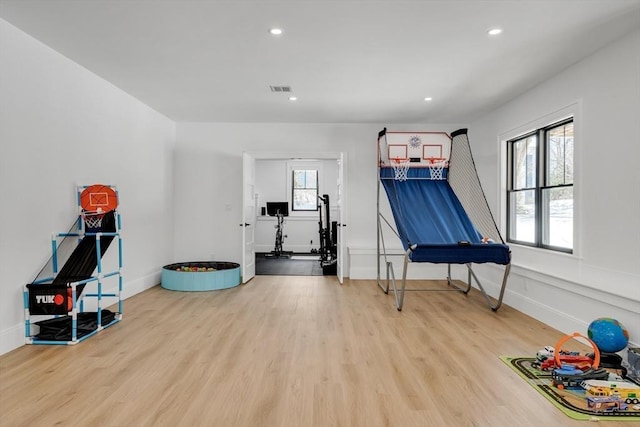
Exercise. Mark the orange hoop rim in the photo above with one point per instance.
(596, 351)
(436, 160)
(399, 160)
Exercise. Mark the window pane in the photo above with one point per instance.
(299, 179)
(524, 163)
(522, 216)
(305, 178)
(557, 224)
(560, 155)
(312, 179)
(305, 200)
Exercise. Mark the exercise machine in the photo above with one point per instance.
(278, 210)
(328, 238)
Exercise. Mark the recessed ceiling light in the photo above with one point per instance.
(275, 31)
(293, 98)
(494, 31)
(428, 98)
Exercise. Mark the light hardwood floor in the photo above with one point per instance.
(287, 351)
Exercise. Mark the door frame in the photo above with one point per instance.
(341, 158)
(249, 217)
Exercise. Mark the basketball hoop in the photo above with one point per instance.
(93, 219)
(437, 168)
(96, 201)
(400, 168)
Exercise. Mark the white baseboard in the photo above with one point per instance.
(12, 338)
(134, 287)
(362, 265)
(555, 317)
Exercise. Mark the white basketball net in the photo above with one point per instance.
(92, 219)
(437, 168)
(400, 169)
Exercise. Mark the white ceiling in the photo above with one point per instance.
(347, 61)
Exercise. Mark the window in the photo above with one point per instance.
(540, 187)
(304, 190)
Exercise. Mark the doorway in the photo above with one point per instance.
(270, 181)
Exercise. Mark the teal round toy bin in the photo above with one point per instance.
(200, 276)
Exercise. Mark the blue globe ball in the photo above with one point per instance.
(608, 334)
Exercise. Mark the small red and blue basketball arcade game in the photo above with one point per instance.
(71, 299)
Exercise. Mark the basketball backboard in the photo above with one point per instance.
(98, 198)
(422, 148)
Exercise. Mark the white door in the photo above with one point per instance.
(249, 216)
(341, 218)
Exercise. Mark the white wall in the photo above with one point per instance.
(602, 277)
(62, 126)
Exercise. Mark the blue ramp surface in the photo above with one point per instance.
(432, 222)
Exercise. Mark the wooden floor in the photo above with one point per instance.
(286, 351)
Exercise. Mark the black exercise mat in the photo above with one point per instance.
(287, 267)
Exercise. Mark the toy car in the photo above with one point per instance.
(545, 353)
(580, 362)
(570, 376)
(606, 404)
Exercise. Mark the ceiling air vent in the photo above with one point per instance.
(280, 88)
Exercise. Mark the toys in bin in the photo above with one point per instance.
(194, 268)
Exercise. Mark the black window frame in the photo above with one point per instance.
(541, 184)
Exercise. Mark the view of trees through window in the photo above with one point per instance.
(305, 190)
(540, 191)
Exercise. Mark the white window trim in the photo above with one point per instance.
(572, 110)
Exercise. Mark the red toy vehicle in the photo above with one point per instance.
(581, 362)
(553, 358)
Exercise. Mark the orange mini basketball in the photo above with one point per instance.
(99, 198)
